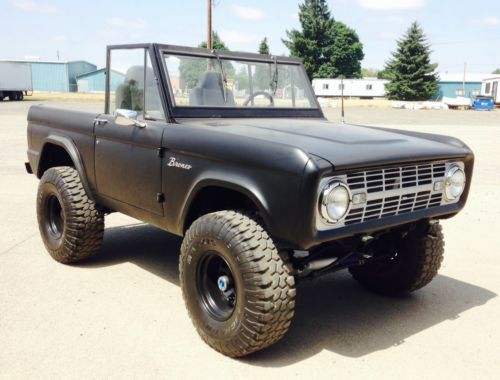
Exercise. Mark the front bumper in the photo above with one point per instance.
(387, 222)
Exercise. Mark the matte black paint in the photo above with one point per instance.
(276, 161)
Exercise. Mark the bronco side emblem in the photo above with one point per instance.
(173, 162)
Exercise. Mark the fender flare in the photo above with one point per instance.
(69, 146)
(248, 189)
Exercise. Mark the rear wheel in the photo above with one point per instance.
(71, 225)
(237, 287)
(413, 261)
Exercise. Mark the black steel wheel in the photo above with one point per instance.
(71, 225)
(216, 286)
(54, 216)
(238, 289)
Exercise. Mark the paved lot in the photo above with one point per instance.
(122, 315)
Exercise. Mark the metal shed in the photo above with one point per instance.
(454, 84)
(77, 68)
(95, 81)
(56, 76)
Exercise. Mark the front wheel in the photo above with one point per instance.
(238, 289)
(412, 261)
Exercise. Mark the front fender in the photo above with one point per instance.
(242, 185)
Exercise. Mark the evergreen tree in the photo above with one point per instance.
(410, 70)
(497, 71)
(264, 47)
(328, 48)
(217, 43)
(262, 75)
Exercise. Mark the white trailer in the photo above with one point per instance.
(491, 87)
(362, 88)
(15, 80)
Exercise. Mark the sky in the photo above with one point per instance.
(459, 31)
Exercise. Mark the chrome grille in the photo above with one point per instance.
(395, 178)
(396, 190)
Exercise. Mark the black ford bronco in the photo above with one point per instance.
(232, 151)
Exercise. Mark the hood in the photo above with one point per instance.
(343, 145)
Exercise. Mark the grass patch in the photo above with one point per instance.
(65, 97)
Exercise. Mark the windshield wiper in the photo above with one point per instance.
(274, 80)
(224, 78)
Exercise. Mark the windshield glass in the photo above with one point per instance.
(212, 82)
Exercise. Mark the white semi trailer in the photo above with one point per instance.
(15, 80)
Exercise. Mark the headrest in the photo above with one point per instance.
(136, 73)
(210, 80)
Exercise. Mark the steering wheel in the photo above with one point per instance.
(257, 93)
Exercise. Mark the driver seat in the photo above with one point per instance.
(209, 91)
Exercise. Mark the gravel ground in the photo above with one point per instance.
(122, 316)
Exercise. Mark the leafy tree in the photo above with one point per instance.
(190, 69)
(497, 71)
(411, 72)
(367, 72)
(384, 74)
(242, 78)
(328, 48)
(264, 47)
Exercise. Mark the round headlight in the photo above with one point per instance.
(335, 202)
(454, 183)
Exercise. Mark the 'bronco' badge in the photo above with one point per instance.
(173, 162)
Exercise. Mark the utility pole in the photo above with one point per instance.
(342, 96)
(209, 25)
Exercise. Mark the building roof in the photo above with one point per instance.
(90, 73)
(459, 77)
(44, 61)
(492, 77)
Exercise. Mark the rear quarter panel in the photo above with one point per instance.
(48, 124)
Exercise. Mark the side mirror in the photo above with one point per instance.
(128, 118)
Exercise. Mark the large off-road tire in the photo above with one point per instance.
(71, 225)
(415, 262)
(238, 289)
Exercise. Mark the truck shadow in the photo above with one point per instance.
(332, 313)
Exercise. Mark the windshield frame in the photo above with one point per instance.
(228, 112)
